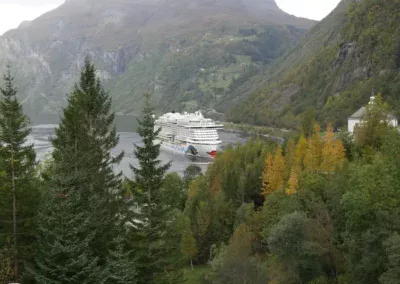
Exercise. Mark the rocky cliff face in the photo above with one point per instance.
(136, 45)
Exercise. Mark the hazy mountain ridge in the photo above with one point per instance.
(334, 69)
(134, 43)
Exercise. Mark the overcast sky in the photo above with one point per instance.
(13, 12)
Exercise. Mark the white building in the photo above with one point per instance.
(357, 117)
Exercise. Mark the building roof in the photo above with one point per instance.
(359, 114)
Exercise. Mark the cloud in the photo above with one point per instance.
(31, 3)
(13, 12)
(312, 9)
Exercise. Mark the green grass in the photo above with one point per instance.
(195, 276)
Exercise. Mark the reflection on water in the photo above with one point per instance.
(43, 130)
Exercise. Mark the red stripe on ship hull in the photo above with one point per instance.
(212, 153)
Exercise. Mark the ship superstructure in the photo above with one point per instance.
(189, 134)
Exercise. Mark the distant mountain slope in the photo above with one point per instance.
(188, 52)
(354, 50)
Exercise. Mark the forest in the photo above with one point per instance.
(321, 208)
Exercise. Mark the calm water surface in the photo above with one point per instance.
(44, 125)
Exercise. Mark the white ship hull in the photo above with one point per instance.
(190, 149)
(188, 134)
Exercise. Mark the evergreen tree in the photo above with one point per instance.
(308, 122)
(63, 254)
(150, 223)
(19, 198)
(82, 167)
(6, 263)
(120, 264)
(82, 156)
(374, 128)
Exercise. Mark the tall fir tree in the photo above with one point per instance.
(121, 265)
(19, 196)
(158, 262)
(83, 166)
(64, 254)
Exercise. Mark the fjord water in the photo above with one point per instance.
(43, 127)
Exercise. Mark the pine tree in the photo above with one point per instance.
(82, 166)
(150, 223)
(6, 263)
(121, 267)
(82, 155)
(19, 197)
(64, 255)
(308, 122)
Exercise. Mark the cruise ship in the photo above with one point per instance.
(189, 134)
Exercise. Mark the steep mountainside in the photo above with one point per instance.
(334, 69)
(190, 53)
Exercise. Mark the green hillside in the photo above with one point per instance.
(351, 52)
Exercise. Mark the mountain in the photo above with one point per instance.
(352, 52)
(189, 53)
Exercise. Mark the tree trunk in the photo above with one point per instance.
(14, 214)
(191, 263)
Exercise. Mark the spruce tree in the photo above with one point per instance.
(82, 166)
(64, 254)
(19, 198)
(82, 155)
(158, 260)
(121, 266)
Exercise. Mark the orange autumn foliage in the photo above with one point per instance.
(313, 157)
(293, 183)
(274, 172)
(317, 154)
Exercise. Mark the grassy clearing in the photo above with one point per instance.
(197, 275)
